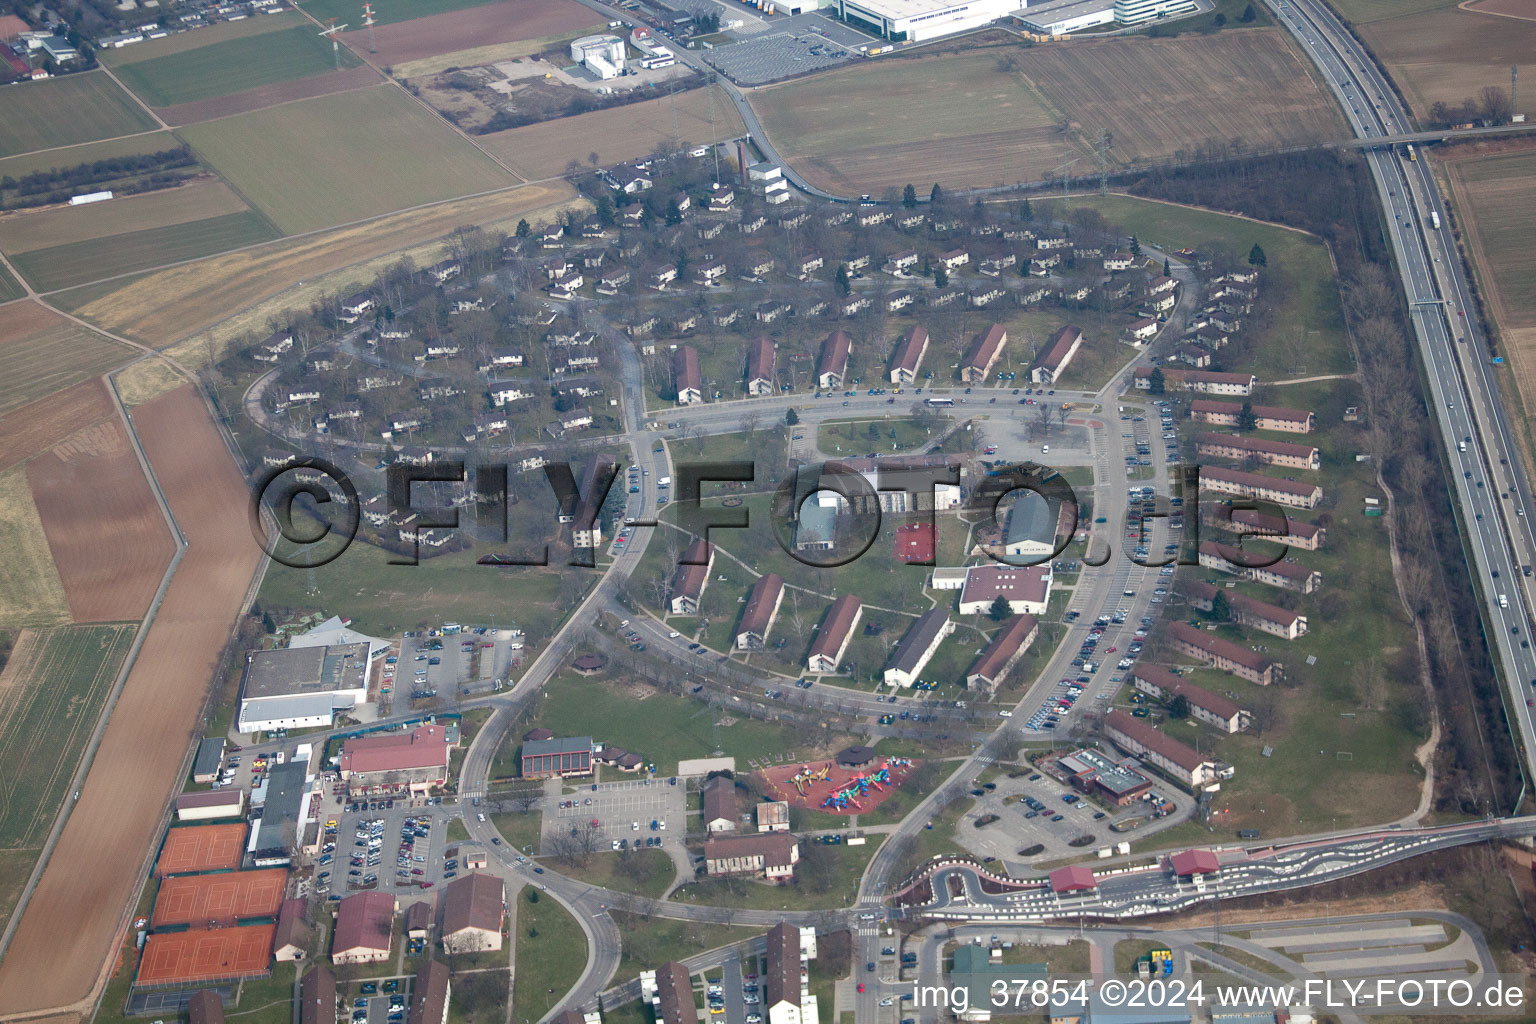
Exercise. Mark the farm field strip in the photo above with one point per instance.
(166, 306)
(505, 21)
(65, 266)
(386, 12)
(42, 423)
(31, 593)
(65, 936)
(46, 353)
(1451, 54)
(542, 150)
(26, 231)
(10, 288)
(233, 65)
(346, 157)
(263, 96)
(197, 39)
(63, 111)
(154, 141)
(109, 566)
(50, 698)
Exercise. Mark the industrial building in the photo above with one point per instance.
(302, 687)
(919, 20)
(285, 803)
(603, 55)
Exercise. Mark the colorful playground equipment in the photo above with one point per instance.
(808, 776)
(847, 796)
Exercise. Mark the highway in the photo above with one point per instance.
(1491, 491)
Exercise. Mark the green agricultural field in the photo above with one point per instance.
(233, 65)
(385, 11)
(65, 111)
(51, 696)
(64, 266)
(1308, 338)
(664, 728)
(10, 288)
(341, 158)
(47, 160)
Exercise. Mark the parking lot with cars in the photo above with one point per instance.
(373, 845)
(455, 662)
(647, 812)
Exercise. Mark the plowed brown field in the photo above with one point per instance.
(489, 25)
(106, 534)
(64, 942)
(38, 426)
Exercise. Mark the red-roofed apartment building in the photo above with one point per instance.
(1006, 648)
(832, 366)
(909, 356)
(1225, 655)
(363, 923)
(1205, 706)
(836, 630)
(413, 762)
(1248, 611)
(473, 907)
(762, 608)
(1058, 352)
(691, 577)
(761, 366)
(430, 994)
(983, 354)
(1178, 761)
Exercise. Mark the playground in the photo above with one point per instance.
(825, 786)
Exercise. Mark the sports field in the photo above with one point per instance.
(344, 157)
(234, 65)
(623, 133)
(48, 159)
(30, 591)
(166, 306)
(65, 266)
(44, 353)
(1450, 54)
(192, 848)
(1008, 114)
(67, 110)
(51, 694)
(28, 230)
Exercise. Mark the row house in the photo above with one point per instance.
(1267, 417)
(794, 219)
(852, 304)
(1087, 252)
(483, 427)
(1041, 266)
(758, 266)
(752, 225)
(711, 272)
(1048, 243)
(832, 364)
(761, 366)
(566, 286)
(868, 217)
(908, 221)
(986, 348)
(1206, 382)
(1194, 356)
(1271, 453)
(661, 277)
(714, 229)
(1213, 709)
(988, 295)
(507, 392)
(610, 282)
(724, 316)
(1143, 330)
(899, 300)
(995, 265)
(1284, 574)
(1057, 355)
(1253, 485)
(643, 325)
(1246, 611)
(809, 265)
(768, 312)
(275, 346)
(901, 264)
(953, 260)
(1222, 655)
(1280, 529)
(908, 357)
(1118, 261)
(443, 348)
(686, 322)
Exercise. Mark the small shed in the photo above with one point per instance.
(855, 757)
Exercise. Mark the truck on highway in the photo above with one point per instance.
(1434, 219)
(1411, 154)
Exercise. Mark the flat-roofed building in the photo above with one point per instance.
(218, 803)
(919, 644)
(1177, 760)
(1119, 782)
(761, 610)
(1211, 708)
(557, 758)
(834, 635)
(773, 816)
(921, 20)
(1002, 653)
(1235, 659)
(1027, 589)
(1254, 485)
(302, 687)
(1270, 453)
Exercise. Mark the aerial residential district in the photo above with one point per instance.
(767, 512)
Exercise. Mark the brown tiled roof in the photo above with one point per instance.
(689, 580)
(317, 996)
(1217, 646)
(363, 921)
(292, 928)
(1257, 444)
(674, 989)
(1248, 605)
(781, 972)
(1003, 646)
(760, 602)
(1279, 526)
(1178, 686)
(909, 354)
(775, 847)
(429, 996)
(205, 1007)
(1154, 739)
(761, 359)
(1257, 481)
(474, 901)
(720, 800)
(834, 354)
(984, 347)
(834, 629)
(1268, 412)
(917, 639)
(1059, 344)
(685, 369)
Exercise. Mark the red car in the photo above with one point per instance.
(861, 986)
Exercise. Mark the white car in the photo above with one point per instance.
(1005, 714)
(673, 635)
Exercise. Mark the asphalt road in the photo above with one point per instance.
(1464, 394)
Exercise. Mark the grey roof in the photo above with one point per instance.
(280, 812)
(817, 524)
(917, 639)
(1030, 519)
(210, 753)
(558, 745)
(298, 670)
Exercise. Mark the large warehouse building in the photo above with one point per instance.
(302, 687)
(917, 21)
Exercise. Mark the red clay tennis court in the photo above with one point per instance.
(218, 955)
(915, 542)
(196, 848)
(204, 901)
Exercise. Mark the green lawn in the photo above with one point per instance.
(1128, 951)
(520, 830)
(827, 877)
(65, 111)
(1363, 11)
(65, 266)
(551, 954)
(1308, 336)
(650, 873)
(233, 65)
(70, 671)
(649, 941)
(15, 868)
(663, 728)
(457, 831)
(1069, 959)
(344, 157)
(854, 436)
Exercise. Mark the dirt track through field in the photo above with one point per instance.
(108, 540)
(66, 934)
(492, 24)
(38, 426)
